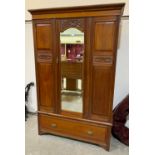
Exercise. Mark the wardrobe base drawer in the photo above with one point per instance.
(75, 129)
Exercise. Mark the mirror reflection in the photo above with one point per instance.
(72, 51)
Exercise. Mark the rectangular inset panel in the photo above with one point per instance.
(46, 87)
(44, 36)
(103, 60)
(101, 98)
(44, 56)
(104, 35)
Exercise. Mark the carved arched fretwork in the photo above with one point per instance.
(72, 23)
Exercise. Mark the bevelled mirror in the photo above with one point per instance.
(72, 57)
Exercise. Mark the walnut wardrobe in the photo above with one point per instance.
(75, 59)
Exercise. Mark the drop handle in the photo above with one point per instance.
(90, 132)
(53, 125)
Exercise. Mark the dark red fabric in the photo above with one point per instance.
(120, 113)
(73, 50)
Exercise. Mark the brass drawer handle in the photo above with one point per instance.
(89, 132)
(53, 125)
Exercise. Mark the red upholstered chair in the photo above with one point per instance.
(120, 113)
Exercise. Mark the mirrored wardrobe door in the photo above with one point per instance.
(71, 66)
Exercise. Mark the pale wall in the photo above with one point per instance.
(122, 68)
(29, 66)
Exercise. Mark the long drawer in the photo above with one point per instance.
(74, 129)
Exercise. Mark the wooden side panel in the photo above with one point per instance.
(43, 33)
(101, 99)
(45, 84)
(103, 67)
(104, 35)
(45, 64)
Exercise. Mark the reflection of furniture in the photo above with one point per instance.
(72, 71)
(100, 25)
(71, 84)
(72, 51)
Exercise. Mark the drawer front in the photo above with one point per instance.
(73, 129)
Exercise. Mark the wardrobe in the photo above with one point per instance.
(75, 59)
